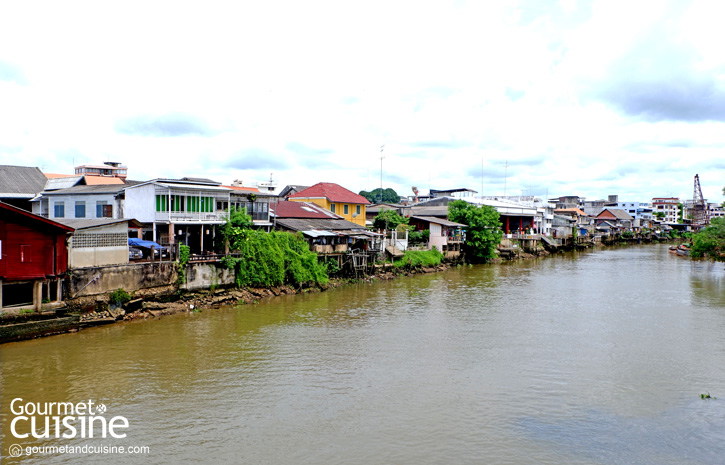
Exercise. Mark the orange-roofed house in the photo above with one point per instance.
(335, 198)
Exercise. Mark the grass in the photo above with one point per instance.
(419, 258)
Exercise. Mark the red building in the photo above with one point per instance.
(33, 256)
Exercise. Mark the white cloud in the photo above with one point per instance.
(311, 90)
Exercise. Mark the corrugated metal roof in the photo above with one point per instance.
(87, 190)
(62, 183)
(288, 209)
(85, 223)
(308, 224)
(21, 180)
(432, 219)
(317, 233)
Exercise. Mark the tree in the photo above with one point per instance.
(389, 196)
(388, 219)
(483, 233)
(710, 240)
(237, 221)
(659, 215)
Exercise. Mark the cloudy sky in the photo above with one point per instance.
(530, 97)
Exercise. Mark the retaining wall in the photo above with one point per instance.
(132, 277)
(206, 275)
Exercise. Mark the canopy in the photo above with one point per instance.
(135, 242)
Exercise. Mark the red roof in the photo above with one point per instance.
(288, 209)
(242, 188)
(332, 192)
(10, 209)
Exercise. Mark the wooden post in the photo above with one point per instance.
(38, 295)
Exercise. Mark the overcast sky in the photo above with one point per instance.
(532, 97)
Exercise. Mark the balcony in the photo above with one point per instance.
(190, 217)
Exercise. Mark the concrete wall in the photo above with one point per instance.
(131, 277)
(141, 203)
(84, 256)
(205, 275)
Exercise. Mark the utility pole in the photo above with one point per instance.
(381, 172)
(505, 177)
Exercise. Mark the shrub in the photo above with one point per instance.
(119, 297)
(274, 258)
(419, 258)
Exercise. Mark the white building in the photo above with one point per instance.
(637, 210)
(667, 205)
(185, 211)
(81, 202)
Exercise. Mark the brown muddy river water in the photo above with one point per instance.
(599, 357)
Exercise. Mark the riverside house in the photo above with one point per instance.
(179, 211)
(340, 201)
(33, 256)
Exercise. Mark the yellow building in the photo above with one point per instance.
(337, 199)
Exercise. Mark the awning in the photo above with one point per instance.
(318, 233)
(135, 242)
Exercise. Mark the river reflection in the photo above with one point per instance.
(591, 358)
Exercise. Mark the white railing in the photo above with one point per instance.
(182, 217)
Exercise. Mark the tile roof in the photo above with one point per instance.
(97, 180)
(618, 213)
(570, 210)
(25, 181)
(332, 192)
(242, 188)
(289, 209)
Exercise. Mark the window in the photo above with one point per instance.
(162, 203)
(80, 209)
(357, 209)
(332, 208)
(177, 203)
(103, 210)
(59, 209)
(25, 254)
(346, 209)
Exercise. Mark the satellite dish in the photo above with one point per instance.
(354, 215)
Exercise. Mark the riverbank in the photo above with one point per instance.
(90, 311)
(86, 312)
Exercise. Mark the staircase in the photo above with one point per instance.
(394, 251)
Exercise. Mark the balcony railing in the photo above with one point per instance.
(189, 217)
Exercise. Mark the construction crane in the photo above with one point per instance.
(700, 217)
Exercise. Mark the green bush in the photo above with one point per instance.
(710, 240)
(119, 297)
(272, 259)
(419, 258)
(419, 237)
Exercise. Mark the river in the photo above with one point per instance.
(597, 357)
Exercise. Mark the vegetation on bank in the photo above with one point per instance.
(389, 219)
(267, 259)
(710, 241)
(483, 234)
(419, 258)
